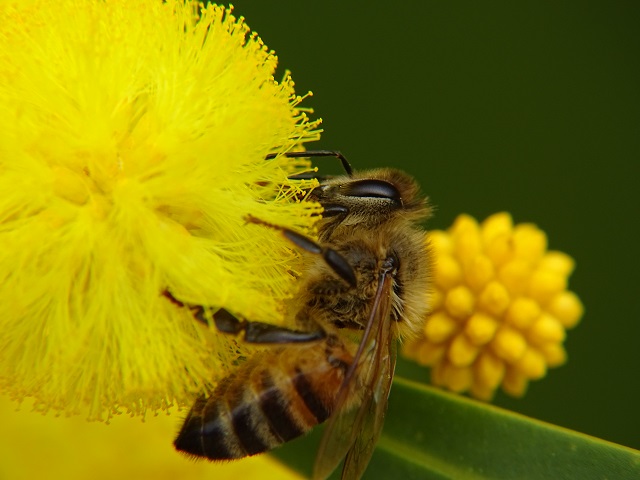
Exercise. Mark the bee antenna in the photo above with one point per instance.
(317, 153)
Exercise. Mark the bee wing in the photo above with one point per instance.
(354, 430)
(372, 412)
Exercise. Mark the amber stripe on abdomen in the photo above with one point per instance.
(305, 389)
(265, 403)
(276, 411)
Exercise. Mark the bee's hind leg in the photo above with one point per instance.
(254, 332)
(259, 332)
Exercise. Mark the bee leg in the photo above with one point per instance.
(318, 153)
(259, 332)
(333, 259)
(254, 332)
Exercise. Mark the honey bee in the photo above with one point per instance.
(365, 286)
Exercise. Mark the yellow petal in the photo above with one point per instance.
(440, 242)
(458, 379)
(467, 245)
(489, 370)
(529, 242)
(481, 328)
(494, 299)
(567, 308)
(481, 392)
(499, 249)
(448, 272)
(463, 226)
(462, 352)
(558, 262)
(430, 353)
(522, 312)
(496, 225)
(515, 383)
(515, 275)
(544, 284)
(554, 353)
(532, 364)
(459, 302)
(546, 329)
(479, 272)
(509, 345)
(439, 327)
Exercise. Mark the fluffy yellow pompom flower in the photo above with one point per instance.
(500, 307)
(133, 136)
(49, 447)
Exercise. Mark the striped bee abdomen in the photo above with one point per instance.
(273, 398)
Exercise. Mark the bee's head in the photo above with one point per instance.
(370, 198)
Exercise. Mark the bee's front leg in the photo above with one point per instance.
(317, 153)
(332, 258)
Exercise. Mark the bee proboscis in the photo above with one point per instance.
(367, 279)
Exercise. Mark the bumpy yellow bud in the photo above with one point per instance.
(500, 307)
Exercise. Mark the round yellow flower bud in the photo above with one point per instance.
(439, 327)
(479, 272)
(522, 312)
(481, 328)
(567, 308)
(462, 352)
(459, 302)
(500, 307)
(448, 273)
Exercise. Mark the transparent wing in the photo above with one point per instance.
(354, 427)
(372, 412)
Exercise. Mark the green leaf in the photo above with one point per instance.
(431, 434)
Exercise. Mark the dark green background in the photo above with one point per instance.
(530, 107)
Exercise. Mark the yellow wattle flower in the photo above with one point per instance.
(133, 136)
(500, 307)
(49, 447)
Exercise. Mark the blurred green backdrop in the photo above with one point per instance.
(530, 107)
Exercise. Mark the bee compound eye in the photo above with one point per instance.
(372, 189)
